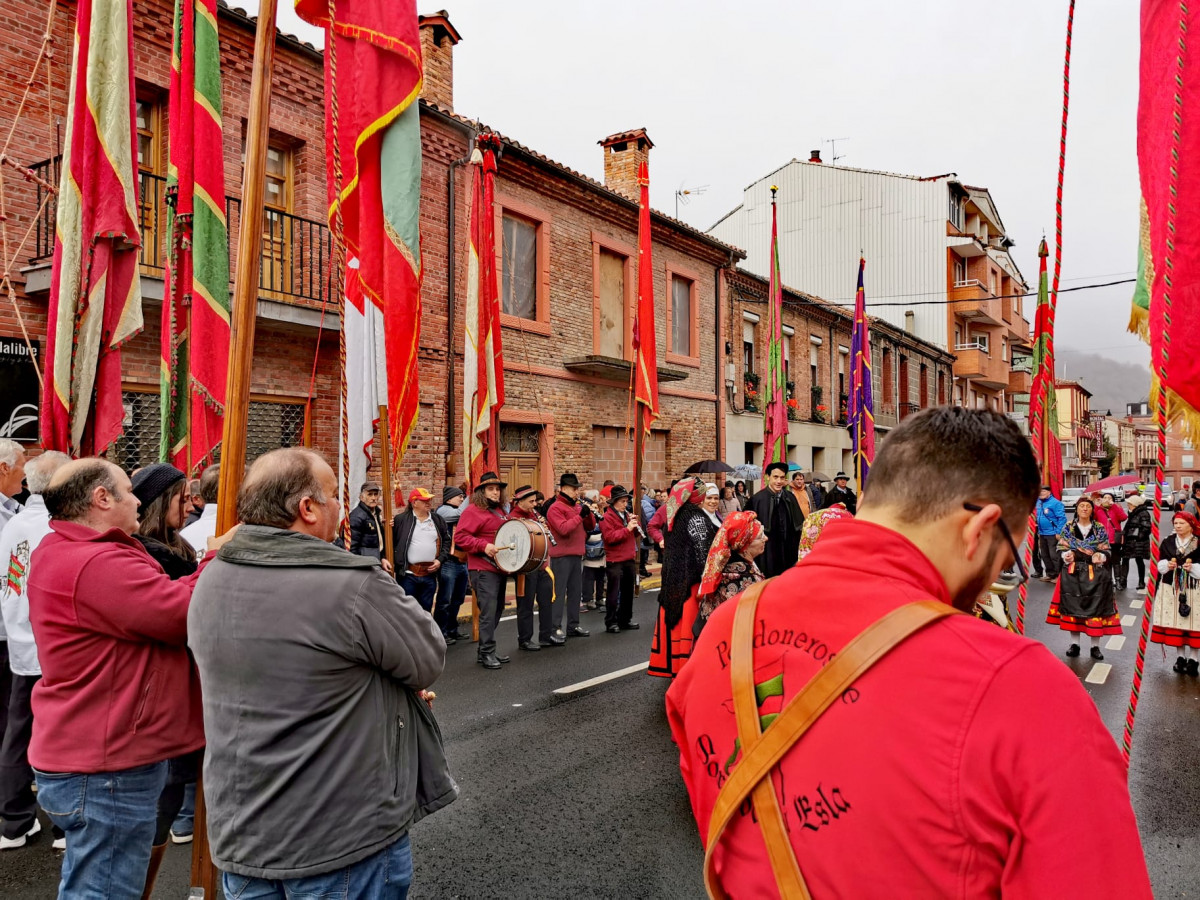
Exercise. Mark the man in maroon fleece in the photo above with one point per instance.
(119, 695)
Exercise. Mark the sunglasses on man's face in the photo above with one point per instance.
(1012, 545)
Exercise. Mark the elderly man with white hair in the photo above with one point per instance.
(18, 539)
(12, 475)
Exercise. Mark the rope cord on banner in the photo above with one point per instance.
(1161, 404)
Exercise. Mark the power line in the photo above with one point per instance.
(874, 302)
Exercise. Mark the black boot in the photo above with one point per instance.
(1096, 654)
(488, 660)
(1193, 668)
(1073, 650)
(1141, 586)
(1180, 665)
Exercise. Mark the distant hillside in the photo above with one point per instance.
(1112, 383)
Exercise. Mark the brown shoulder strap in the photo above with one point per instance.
(761, 752)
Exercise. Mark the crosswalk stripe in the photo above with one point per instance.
(1099, 673)
(600, 679)
(1126, 621)
(1116, 642)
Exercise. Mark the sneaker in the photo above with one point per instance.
(180, 837)
(59, 843)
(13, 843)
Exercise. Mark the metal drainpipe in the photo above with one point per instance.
(722, 359)
(451, 466)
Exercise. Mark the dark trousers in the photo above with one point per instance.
(594, 578)
(18, 805)
(644, 559)
(1141, 567)
(181, 771)
(488, 588)
(539, 589)
(6, 677)
(618, 609)
(1036, 559)
(1051, 559)
(452, 590)
(421, 587)
(1119, 565)
(568, 590)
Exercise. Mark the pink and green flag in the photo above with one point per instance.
(195, 314)
(775, 422)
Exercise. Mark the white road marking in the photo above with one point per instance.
(1126, 621)
(600, 679)
(1099, 673)
(1137, 604)
(1116, 642)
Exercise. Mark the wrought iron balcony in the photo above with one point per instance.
(297, 253)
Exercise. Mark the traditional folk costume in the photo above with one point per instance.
(727, 573)
(1176, 621)
(1083, 596)
(815, 524)
(690, 534)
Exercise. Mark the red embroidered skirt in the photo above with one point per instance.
(673, 646)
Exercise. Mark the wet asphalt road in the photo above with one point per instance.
(578, 795)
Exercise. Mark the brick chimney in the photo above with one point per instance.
(622, 154)
(438, 38)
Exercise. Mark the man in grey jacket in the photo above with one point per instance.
(321, 754)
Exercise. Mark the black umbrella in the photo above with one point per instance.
(707, 467)
(819, 476)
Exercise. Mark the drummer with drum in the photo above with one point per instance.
(476, 533)
(534, 571)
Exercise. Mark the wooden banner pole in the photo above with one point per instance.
(385, 451)
(241, 351)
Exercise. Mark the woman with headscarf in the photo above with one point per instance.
(730, 568)
(1176, 623)
(815, 524)
(690, 534)
(712, 504)
(1083, 598)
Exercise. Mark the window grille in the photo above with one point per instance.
(270, 425)
(520, 438)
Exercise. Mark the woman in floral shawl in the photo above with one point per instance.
(730, 568)
(689, 534)
(1083, 598)
(815, 524)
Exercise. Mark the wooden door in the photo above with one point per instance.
(520, 455)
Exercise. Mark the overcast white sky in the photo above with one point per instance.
(729, 92)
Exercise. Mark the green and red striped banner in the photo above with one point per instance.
(195, 316)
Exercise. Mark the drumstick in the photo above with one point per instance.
(506, 547)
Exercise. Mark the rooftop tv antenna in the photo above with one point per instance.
(682, 194)
(833, 142)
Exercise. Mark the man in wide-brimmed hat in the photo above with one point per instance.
(569, 521)
(619, 528)
(538, 584)
(476, 533)
(841, 493)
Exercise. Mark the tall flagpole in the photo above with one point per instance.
(241, 345)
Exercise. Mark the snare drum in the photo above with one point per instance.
(525, 546)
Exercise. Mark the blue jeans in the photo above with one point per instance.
(385, 876)
(452, 590)
(109, 819)
(422, 588)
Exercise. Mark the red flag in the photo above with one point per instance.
(95, 290)
(378, 50)
(644, 343)
(483, 358)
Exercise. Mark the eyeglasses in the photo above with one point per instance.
(1024, 573)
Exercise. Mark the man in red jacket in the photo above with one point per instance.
(539, 586)
(619, 530)
(476, 533)
(944, 769)
(569, 521)
(119, 695)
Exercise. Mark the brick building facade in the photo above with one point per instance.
(908, 374)
(566, 252)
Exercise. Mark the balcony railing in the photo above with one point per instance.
(819, 412)
(297, 253)
(843, 409)
(907, 409)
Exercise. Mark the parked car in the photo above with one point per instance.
(1071, 496)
